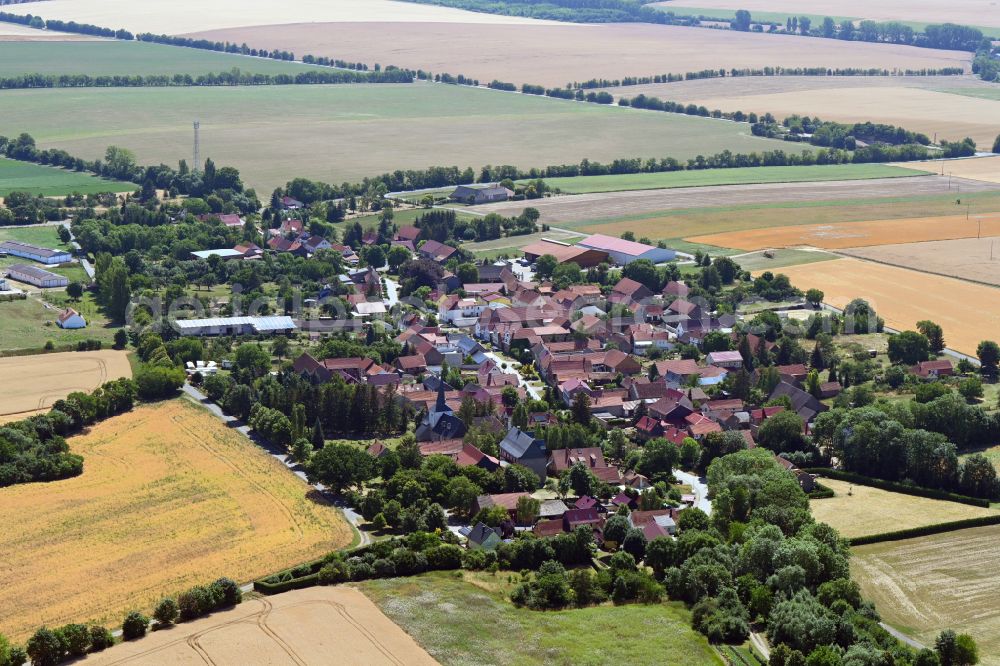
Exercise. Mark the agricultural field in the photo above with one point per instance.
(608, 208)
(980, 168)
(974, 259)
(936, 114)
(969, 313)
(706, 177)
(189, 15)
(169, 497)
(436, 610)
(862, 510)
(860, 234)
(966, 12)
(347, 132)
(921, 586)
(38, 234)
(14, 32)
(49, 181)
(303, 626)
(110, 57)
(756, 261)
(30, 384)
(553, 55)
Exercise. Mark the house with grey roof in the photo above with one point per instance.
(520, 447)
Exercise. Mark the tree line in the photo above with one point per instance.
(234, 77)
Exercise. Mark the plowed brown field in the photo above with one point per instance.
(169, 497)
(319, 625)
(859, 234)
(30, 384)
(969, 313)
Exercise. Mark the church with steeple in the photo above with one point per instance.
(440, 422)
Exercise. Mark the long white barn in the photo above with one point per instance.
(235, 326)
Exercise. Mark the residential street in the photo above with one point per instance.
(699, 488)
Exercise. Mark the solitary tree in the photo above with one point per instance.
(934, 334)
(989, 356)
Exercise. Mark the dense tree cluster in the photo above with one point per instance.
(234, 77)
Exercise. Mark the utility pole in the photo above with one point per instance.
(197, 147)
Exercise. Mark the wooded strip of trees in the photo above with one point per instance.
(234, 77)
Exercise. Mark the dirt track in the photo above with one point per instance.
(586, 207)
(319, 625)
(554, 55)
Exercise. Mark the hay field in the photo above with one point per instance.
(169, 497)
(934, 113)
(554, 55)
(188, 15)
(924, 585)
(860, 234)
(869, 510)
(967, 12)
(110, 57)
(16, 176)
(436, 609)
(29, 384)
(980, 168)
(969, 313)
(329, 625)
(741, 176)
(348, 132)
(975, 259)
(589, 209)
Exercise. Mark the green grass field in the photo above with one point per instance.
(45, 236)
(131, 58)
(981, 93)
(18, 176)
(756, 261)
(745, 176)
(461, 621)
(27, 324)
(347, 132)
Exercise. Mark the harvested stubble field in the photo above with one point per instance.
(169, 497)
(708, 177)
(434, 609)
(859, 234)
(924, 585)
(16, 176)
(115, 57)
(979, 168)
(318, 625)
(969, 313)
(14, 32)
(554, 55)
(966, 12)
(936, 114)
(187, 15)
(348, 132)
(29, 384)
(975, 259)
(868, 510)
(601, 208)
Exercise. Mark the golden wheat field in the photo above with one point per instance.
(320, 625)
(30, 384)
(977, 168)
(859, 234)
(969, 313)
(169, 497)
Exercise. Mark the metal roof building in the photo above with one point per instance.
(235, 326)
(36, 276)
(42, 255)
(225, 253)
(624, 251)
